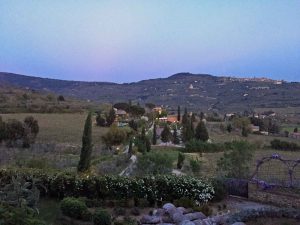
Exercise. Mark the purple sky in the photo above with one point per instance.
(124, 41)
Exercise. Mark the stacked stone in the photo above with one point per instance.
(171, 215)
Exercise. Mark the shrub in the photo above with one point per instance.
(180, 161)
(154, 163)
(101, 217)
(284, 145)
(73, 207)
(220, 189)
(195, 165)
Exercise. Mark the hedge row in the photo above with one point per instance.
(284, 145)
(152, 188)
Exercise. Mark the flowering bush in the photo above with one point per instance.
(152, 188)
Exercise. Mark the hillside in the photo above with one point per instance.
(195, 91)
(17, 100)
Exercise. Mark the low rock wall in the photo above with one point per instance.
(275, 196)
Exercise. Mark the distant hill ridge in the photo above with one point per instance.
(195, 91)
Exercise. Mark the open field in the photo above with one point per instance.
(60, 128)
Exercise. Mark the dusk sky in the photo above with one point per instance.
(124, 41)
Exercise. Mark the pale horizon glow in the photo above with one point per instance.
(127, 40)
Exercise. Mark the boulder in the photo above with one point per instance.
(146, 219)
(168, 207)
(238, 223)
(159, 212)
(198, 222)
(195, 216)
(178, 217)
(182, 209)
(166, 219)
(186, 222)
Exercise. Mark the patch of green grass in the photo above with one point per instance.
(60, 128)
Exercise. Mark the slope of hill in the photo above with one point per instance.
(16, 100)
(195, 91)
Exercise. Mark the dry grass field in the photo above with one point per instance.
(60, 128)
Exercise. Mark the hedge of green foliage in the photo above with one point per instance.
(195, 145)
(284, 145)
(152, 188)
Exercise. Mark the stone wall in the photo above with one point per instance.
(275, 196)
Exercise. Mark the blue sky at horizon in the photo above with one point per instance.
(132, 40)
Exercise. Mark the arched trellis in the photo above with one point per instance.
(290, 166)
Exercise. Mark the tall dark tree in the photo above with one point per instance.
(176, 140)
(178, 114)
(185, 117)
(154, 138)
(31, 129)
(201, 115)
(296, 130)
(110, 117)
(244, 131)
(87, 146)
(201, 132)
(166, 134)
(187, 131)
(192, 127)
(180, 160)
(130, 152)
(2, 130)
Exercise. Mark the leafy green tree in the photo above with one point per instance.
(154, 137)
(143, 143)
(114, 136)
(236, 161)
(180, 160)
(87, 146)
(245, 132)
(110, 119)
(201, 132)
(166, 134)
(136, 110)
(296, 130)
(122, 105)
(176, 140)
(14, 130)
(178, 114)
(133, 125)
(100, 121)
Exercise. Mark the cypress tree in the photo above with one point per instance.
(154, 135)
(178, 114)
(166, 134)
(185, 117)
(175, 137)
(86, 149)
(201, 132)
(130, 148)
